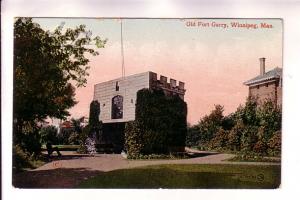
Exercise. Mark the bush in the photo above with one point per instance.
(74, 138)
(249, 138)
(234, 136)
(133, 139)
(274, 144)
(252, 129)
(20, 159)
(32, 142)
(160, 125)
(28, 138)
(209, 125)
(260, 148)
(269, 115)
(193, 136)
(249, 113)
(82, 138)
(49, 134)
(95, 126)
(220, 140)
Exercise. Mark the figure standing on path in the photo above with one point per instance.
(51, 149)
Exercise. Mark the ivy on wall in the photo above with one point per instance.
(160, 125)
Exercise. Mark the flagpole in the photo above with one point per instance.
(122, 50)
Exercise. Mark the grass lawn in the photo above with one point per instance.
(239, 158)
(189, 176)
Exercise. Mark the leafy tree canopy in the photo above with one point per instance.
(45, 64)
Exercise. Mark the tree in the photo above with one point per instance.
(49, 134)
(234, 137)
(74, 136)
(95, 126)
(193, 136)
(210, 124)
(248, 114)
(269, 115)
(45, 64)
(274, 143)
(220, 140)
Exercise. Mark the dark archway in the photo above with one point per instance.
(117, 107)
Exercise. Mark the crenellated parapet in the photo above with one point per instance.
(170, 87)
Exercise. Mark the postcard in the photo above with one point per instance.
(147, 103)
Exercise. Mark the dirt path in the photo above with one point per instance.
(72, 168)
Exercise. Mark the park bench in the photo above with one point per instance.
(51, 149)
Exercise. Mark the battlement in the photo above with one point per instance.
(163, 83)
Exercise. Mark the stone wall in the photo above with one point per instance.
(126, 87)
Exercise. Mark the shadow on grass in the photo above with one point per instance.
(188, 177)
(53, 178)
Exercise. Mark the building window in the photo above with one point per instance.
(117, 86)
(117, 107)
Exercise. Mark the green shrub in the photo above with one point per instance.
(220, 140)
(234, 136)
(274, 144)
(95, 126)
(260, 148)
(133, 139)
(210, 124)
(249, 138)
(252, 129)
(49, 134)
(193, 136)
(74, 138)
(32, 142)
(63, 136)
(160, 126)
(20, 159)
(269, 115)
(28, 138)
(249, 113)
(23, 160)
(82, 138)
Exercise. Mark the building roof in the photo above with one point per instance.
(275, 73)
(66, 124)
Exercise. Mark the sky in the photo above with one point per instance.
(211, 56)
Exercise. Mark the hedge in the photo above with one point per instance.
(160, 126)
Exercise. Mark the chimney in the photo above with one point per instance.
(262, 66)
